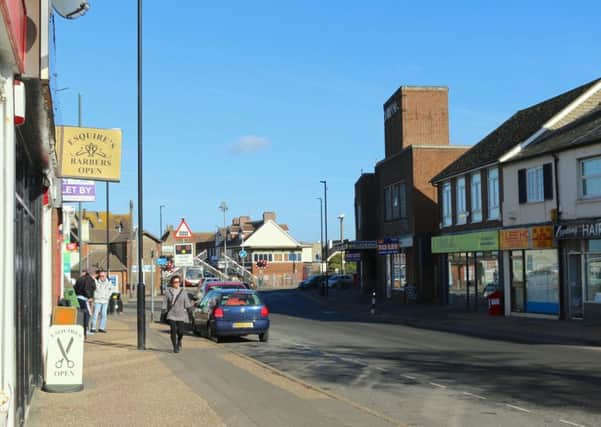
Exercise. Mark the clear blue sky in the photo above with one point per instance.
(255, 102)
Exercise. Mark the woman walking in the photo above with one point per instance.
(176, 303)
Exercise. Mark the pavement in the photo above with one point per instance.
(205, 385)
(524, 330)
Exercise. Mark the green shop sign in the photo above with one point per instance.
(469, 242)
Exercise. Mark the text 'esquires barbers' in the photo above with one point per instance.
(89, 153)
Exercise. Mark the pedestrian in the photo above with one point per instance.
(102, 295)
(176, 302)
(84, 289)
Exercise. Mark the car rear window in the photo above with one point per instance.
(232, 286)
(235, 299)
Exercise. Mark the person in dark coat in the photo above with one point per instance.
(84, 289)
(176, 303)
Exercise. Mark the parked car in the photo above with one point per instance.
(340, 281)
(315, 281)
(231, 312)
(207, 286)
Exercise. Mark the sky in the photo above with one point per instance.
(254, 103)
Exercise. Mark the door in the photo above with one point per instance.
(575, 285)
(517, 281)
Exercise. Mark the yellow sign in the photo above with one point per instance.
(542, 237)
(514, 239)
(89, 153)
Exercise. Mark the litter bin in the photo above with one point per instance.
(495, 306)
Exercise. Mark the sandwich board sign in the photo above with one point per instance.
(64, 361)
(183, 230)
(184, 255)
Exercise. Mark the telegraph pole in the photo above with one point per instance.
(140, 288)
(325, 200)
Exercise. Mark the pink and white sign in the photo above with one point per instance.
(77, 190)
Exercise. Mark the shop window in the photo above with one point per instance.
(461, 205)
(593, 271)
(447, 215)
(493, 194)
(476, 197)
(542, 282)
(590, 177)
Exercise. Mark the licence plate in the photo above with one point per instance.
(243, 325)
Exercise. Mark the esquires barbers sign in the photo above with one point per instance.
(579, 231)
(89, 153)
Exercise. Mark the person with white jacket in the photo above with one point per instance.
(102, 295)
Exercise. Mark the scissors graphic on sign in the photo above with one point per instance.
(70, 363)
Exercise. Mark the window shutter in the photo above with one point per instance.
(548, 180)
(522, 185)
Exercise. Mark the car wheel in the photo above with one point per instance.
(210, 334)
(264, 337)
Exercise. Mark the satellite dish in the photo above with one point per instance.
(71, 9)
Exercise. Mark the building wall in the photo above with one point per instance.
(515, 213)
(421, 117)
(7, 240)
(367, 201)
(572, 205)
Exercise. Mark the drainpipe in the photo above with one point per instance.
(562, 291)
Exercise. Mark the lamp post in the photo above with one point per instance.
(161, 244)
(223, 207)
(325, 200)
(140, 288)
(341, 218)
(321, 235)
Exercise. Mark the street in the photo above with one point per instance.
(423, 377)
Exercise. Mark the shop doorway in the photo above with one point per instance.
(575, 285)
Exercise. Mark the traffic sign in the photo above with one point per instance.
(242, 254)
(183, 230)
(184, 255)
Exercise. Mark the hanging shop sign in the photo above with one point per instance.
(590, 230)
(527, 238)
(89, 153)
(77, 190)
(469, 242)
(388, 246)
(352, 256)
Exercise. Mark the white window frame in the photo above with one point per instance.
(492, 178)
(447, 211)
(535, 185)
(582, 178)
(461, 202)
(476, 196)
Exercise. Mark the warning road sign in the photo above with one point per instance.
(183, 230)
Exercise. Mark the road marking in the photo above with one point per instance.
(438, 385)
(570, 423)
(518, 408)
(354, 361)
(408, 376)
(380, 369)
(474, 395)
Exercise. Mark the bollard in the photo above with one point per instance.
(373, 303)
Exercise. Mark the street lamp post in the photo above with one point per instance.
(141, 302)
(325, 200)
(223, 207)
(161, 244)
(341, 218)
(321, 235)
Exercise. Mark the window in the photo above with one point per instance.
(358, 214)
(387, 204)
(534, 184)
(277, 257)
(395, 202)
(447, 217)
(476, 197)
(461, 206)
(590, 175)
(493, 194)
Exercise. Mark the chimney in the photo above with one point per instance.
(268, 216)
(244, 219)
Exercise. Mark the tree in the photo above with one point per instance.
(335, 264)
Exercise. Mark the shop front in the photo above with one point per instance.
(532, 281)
(469, 267)
(394, 252)
(581, 255)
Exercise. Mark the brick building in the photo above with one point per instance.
(396, 206)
